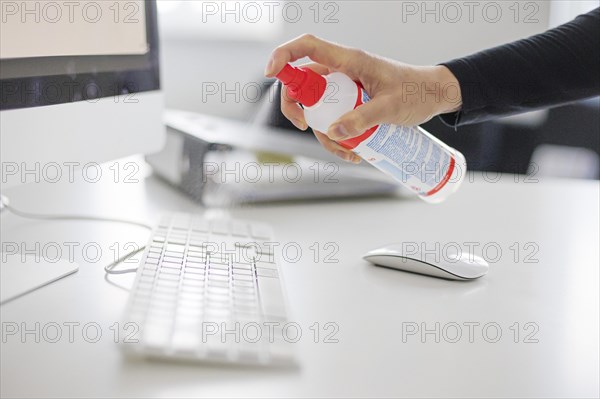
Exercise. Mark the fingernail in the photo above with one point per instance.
(269, 68)
(300, 124)
(356, 159)
(338, 132)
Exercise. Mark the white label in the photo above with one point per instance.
(410, 155)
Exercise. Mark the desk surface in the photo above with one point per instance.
(528, 328)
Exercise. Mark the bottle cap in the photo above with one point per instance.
(302, 84)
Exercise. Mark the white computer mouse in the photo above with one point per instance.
(453, 266)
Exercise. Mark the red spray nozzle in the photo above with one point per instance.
(303, 84)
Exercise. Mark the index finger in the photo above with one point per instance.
(334, 56)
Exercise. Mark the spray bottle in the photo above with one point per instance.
(415, 158)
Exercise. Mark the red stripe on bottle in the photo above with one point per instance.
(444, 180)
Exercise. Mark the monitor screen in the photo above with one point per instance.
(60, 52)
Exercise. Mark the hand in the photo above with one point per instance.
(400, 94)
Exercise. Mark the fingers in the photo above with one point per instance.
(292, 111)
(336, 149)
(318, 68)
(359, 120)
(290, 108)
(334, 56)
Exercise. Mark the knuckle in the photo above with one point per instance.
(359, 54)
(308, 37)
(277, 53)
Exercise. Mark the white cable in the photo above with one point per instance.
(6, 205)
(109, 269)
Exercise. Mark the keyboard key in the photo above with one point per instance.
(266, 249)
(195, 247)
(166, 297)
(218, 281)
(173, 259)
(169, 276)
(192, 285)
(210, 247)
(166, 288)
(245, 293)
(243, 277)
(239, 229)
(261, 272)
(220, 227)
(242, 283)
(155, 255)
(196, 259)
(158, 239)
(148, 266)
(242, 266)
(163, 281)
(247, 271)
(195, 265)
(196, 254)
(265, 258)
(194, 276)
(200, 226)
(260, 232)
(219, 258)
(198, 242)
(165, 221)
(178, 233)
(195, 270)
(147, 272)
(192, 296)
(224, 268)
(174, 255)
(171, 264)
(266, 265)
(152, 261)
(175, 248)
(218, 272)
(146, 278)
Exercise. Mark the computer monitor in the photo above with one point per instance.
(79, 83)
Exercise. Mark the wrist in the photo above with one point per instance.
(449, 96)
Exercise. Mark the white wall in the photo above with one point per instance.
(193, 61)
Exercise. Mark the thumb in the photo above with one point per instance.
(359, 120)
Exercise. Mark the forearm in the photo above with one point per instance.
(552, 68)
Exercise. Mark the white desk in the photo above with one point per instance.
(559, 294)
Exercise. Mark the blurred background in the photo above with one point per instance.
(214, 52)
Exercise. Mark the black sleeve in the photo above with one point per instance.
(558, 66)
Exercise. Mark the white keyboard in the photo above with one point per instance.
(209, 290)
